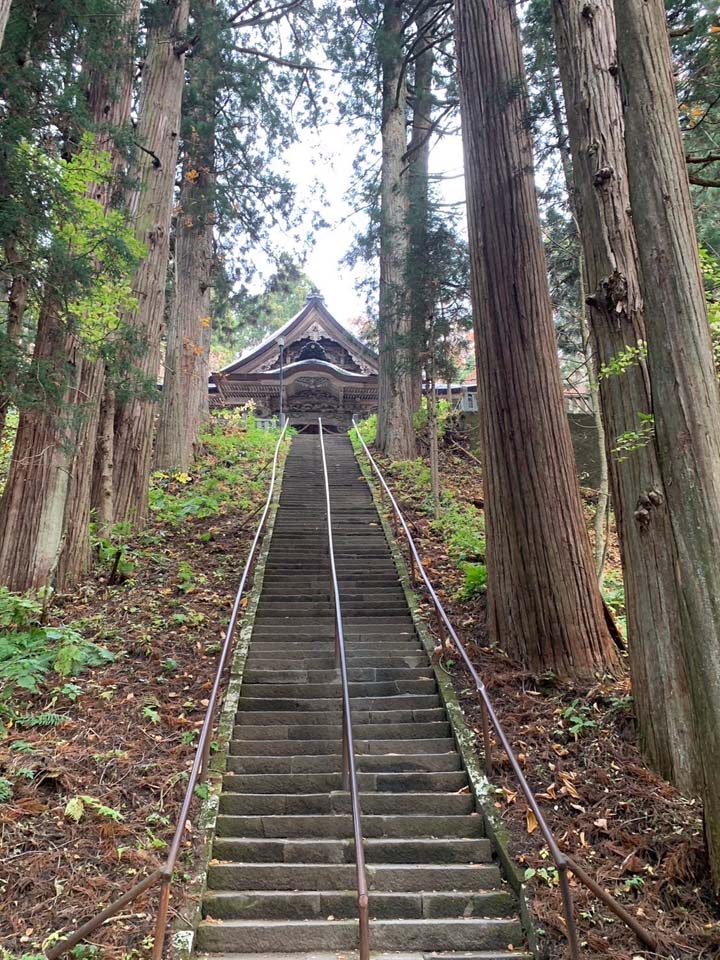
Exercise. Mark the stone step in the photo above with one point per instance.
(355, 674)
(337, 802)
(340, 826)
(361, 718)
(329, 690)
(262, 663)
(426, 934)
(342, 904)
(375, 624)
(311, 850)
(319, 587)
(304, 632)
(329, 763)
(280, 608)
(302, 649)
(376, 955)
(311, 782)
(406, 701)
(246, 729)
(392, 878)
(319, 748)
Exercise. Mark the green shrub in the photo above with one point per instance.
(29, 650)
(442, 412)
(475, 581)
(462, 527)
(113, 551)
(233, 444)
(614, 595)
(368, 431)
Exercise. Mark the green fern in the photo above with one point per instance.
(42, 720)
(76, 806)
(6, 790)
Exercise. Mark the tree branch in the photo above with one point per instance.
(703, 182)
(252, 51)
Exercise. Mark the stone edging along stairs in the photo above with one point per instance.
(282, 879)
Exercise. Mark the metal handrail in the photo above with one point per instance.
(163, 875)
(349, 774)
(563, 862)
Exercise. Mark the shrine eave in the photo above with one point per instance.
(299, 366)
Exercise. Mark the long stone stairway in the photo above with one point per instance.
(282, 877)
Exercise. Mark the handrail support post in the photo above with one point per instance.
(569, 911)
(161, 922)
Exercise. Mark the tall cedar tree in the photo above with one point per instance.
(686, 401)
(586, 52)
(184, 396)
(44, 511)
(110, 96)
(158, 135)
(418, 159)
(395, 436)
(544, 606)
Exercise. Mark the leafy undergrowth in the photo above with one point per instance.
(100, 720)
(631, 830)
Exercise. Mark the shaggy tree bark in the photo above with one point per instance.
(186, 371)
(586, 51)
(418, 159)
(17, 301)
(395, 435)
(186, 356)
(158, 129)
(104, 464)
(686, 402)
(589, 355)
(543, 602)
(33, 502)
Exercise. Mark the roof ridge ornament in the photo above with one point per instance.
(315, 295)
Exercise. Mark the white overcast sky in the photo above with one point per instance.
(327, 156)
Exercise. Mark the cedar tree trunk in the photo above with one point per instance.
(395, 435)
(421, 294)
(586, 51)
(158, 130)
(186, 359)
(686, 402)
(544, 606)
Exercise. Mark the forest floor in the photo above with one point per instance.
(94, 766)
(629, 828)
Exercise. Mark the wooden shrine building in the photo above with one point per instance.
(321, 368)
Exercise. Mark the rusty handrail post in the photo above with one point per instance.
(198, 771)
(569, 911)
(349, 773)
(562, 862)
(161, 921)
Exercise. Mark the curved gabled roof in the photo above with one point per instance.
(314, 364)
(314, 310)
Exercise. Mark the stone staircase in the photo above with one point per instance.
(282, 877)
